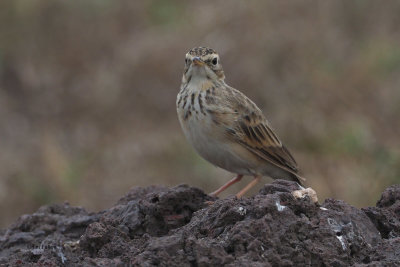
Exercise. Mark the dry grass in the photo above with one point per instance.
(87, 94)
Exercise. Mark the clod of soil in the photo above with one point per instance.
(182, 226)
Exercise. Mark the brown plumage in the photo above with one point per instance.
(226, 127)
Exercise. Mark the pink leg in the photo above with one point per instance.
(248, 187)
(228, 184)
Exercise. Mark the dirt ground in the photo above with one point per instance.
(182, 226)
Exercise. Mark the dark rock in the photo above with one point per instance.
(390, 197)
(181, 226)
(386, 214)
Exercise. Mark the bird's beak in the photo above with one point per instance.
(197, 61)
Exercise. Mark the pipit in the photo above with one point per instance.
(225, 127)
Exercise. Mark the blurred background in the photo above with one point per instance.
(88, 89)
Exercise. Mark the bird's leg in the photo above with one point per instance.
(250, 185)
(228, 184)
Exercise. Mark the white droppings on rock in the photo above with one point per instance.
(242, 211)
(37, 251)
(337, 228)
(60, 254)
(322, 208)
(279, 207)
(341, 239)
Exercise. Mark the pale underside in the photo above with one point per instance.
(227, 129)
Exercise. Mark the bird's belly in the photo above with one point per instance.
(210, 142)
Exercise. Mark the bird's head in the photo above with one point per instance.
(203, 63)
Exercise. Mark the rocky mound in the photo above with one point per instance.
(182, 226)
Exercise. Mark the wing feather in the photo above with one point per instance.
(265, 144)
(251, 129)
(247, 126)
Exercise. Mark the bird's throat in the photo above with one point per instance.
(199, 83)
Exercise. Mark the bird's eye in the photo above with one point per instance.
(215, 61)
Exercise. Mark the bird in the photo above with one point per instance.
(227, 128)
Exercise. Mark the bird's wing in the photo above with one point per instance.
(261, 140)
(251, 129)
